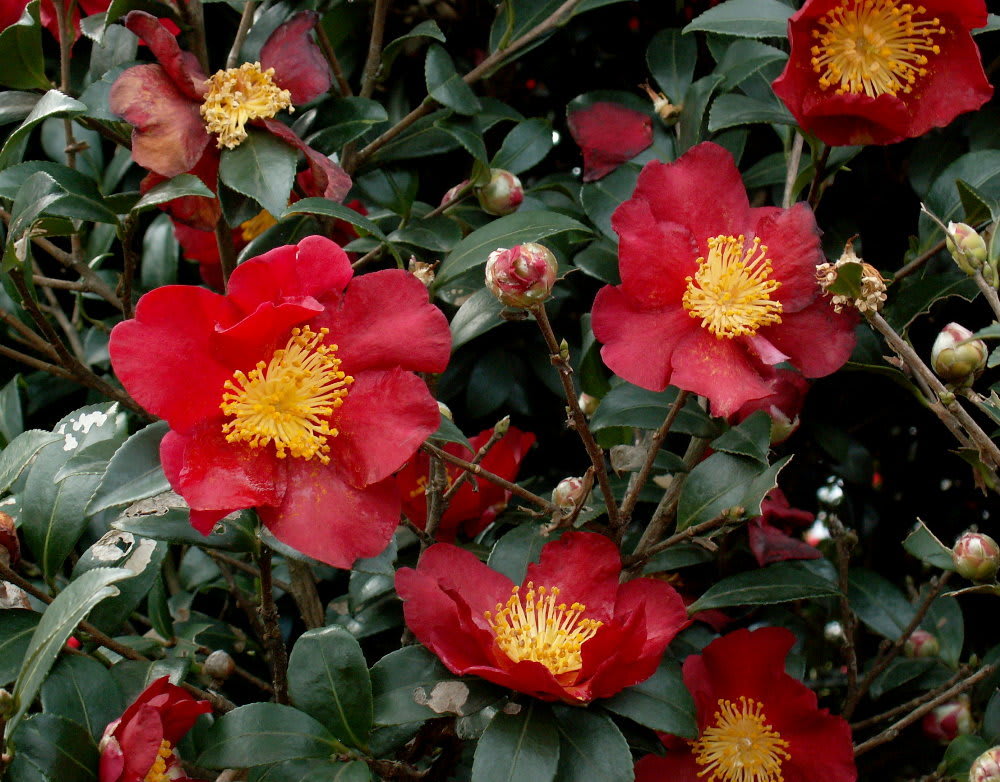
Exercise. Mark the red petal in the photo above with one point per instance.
(257, 336)
(182, 67)
(638, 345)
(386, 320)
(769, 544)
(385, 417)
(818, 340)
(140, 737)
(155, 353)
(702, 190)
(199, 212)
(608, 134)
(326, 518)
(10, 12)
(197, 245)
(329, 179)
(299, 64)
(792, 239)
(719, 369)
(676, 766)
(665, 612)
(585, 567)
(168, 136)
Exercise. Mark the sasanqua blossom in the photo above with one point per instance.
(603, 636)
(294, 393)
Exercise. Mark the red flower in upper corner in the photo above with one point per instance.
(11, 10)
(909, 69)
(177, 111)
(714, 292)
(469, 509)
(769, 536)
(304, 401)
(755, 722)
(600, 636)
(608, 134)
(783, 405)
(139, 745)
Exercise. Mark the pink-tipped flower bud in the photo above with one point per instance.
(921, 644)
(502, 195)
(445, 411)
(219, 665)
(968, 249)
(569, 493)
(956, 358)
(986, 768)
(588, 404)
(976, 557)
(522, 276)
(450, 195)
(949, 720)
(10, 547)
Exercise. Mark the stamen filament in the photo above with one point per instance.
(741, 746)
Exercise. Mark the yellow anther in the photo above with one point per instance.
(158, 771)
(741, 746)
(235, 96)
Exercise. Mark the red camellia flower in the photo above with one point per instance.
(755, 722)
(177, 111)
(608, 134)
(880, 71)
(714, 293)
(294, 393)
(769, 536)
(139, 745)
(570, 632)
(470, 509)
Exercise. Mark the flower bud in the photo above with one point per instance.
(568, 493)
(219, 665)
(976, 556)
(949, 720)
(588, 404)
(10, 547)
(986, 768)
(522, 276)
(502, 195)
(921, 644)
(450, 195)
(968, 249)
(7, 704)
(957, 359)
(445, 411)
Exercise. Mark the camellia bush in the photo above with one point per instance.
(544, 390)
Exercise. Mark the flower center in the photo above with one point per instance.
(540, 629)
(256, 225)
(873, 46)
(235, 96)
(422, 485)
(158, 771)
(289, 399)
(731, 292)
(741, 746)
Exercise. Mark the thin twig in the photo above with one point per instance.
(458, 196)
(917, 262)
(30, 337)
(499, 430)
(845, 540)
(247, 568)
(792, 173)
(331, 56)
(277, 655)
(989, 293)
(679, 537)
(578, 420)
(486, 475)
(246, 20)
(911, 704)
(130, 265)
(42, 281)
(894, 730)
(193, 15)
(437, 480)
(305, 594)
(629, 503)
(373, 61)
(34, 363)
(815, 191)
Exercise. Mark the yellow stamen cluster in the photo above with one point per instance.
(256, 225)
(235, 96)
(741, 746)
(158, 771)
(538, 628)
(731, 291)
(422, 485)
(288, 400)
(875, 47)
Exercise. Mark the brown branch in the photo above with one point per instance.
(29, 336)
(373, 61)
(845, 540)
(246, 19)
(331, 56)
(499, 430)
(437, 480)
(60, 285)
(691, 532)
(917, 262)
(130, 265)
(819, 172)
(277, 654)
(34, 363)
(247, 568)
(911, 704)
(305, 594)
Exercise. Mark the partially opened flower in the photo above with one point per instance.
(569, 632)
(771, 534)
(294, 393)
(140, 745)
(880, 71)
(715, 293)
(471, 509)
(755, 722)
(177, 111)
(608, 134)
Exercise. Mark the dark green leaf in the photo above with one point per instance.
(179, 186)
(600, 199)
(82, 690)
(917, 297)
(52, 104)
(924, 545)
(328, 679)
(166, 521)
(51, 748)
(466, 132)
(944, 619)
(991, 719)
(960, 755)
(690, 126)
(979, 170)
(22, 64)
(69, 179)
(662, 702)
(160, 254)
(324, 206)
(629, 405)
(899, 672)
(525, 145)
(393, 188)
(512, 554)
(978, 206)
(879, 604)
(671, 58)
(426, 29)
(19, 453)
(57, 624)
(743, 58)
(733, 110)
(591, 747)
(260, 734)
(599, 259)
(531, 226)
(518, 746)
(445, 85)
(345, 119)
(439, 234)
(477, 315)
(745, 19)
(750, 438)
(778, 583)
(450, 433)
(723, 482)
(16, 628)
(312, 770)
(263, 168)
(15, 106)
(397, 676)
(134, 472)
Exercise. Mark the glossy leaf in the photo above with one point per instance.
(261, 167)
(879, 603)
(82, 690)
(745, 19)
(477, 315)
(925, 546)
(445, 85)
(19, 453)
(781, 582)
(591, 747)
(51, 748)
(16, 628)
(524, 146)
(662, 702)
(52, 104)
(518, 746)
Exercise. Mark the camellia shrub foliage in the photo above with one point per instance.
(545, 390)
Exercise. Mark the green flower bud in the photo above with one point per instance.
(968, 248)
(502, 195)
(976, 557)
(921, 644)
(956, 358)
